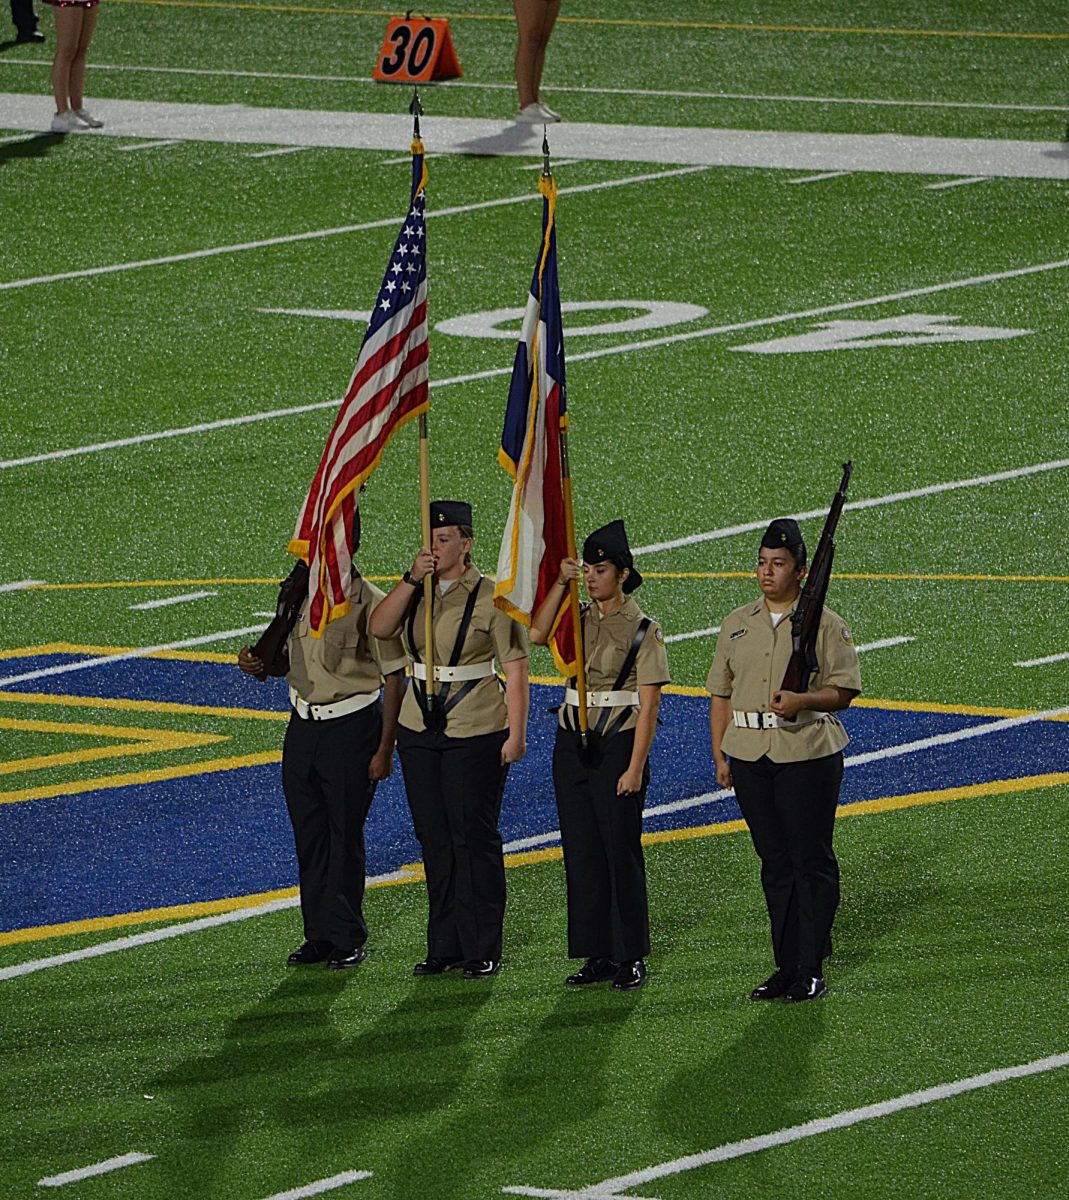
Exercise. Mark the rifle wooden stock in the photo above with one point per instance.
(271, 647)
(805, 621)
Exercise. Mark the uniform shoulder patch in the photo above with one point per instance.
(738, 634)
(845, 634)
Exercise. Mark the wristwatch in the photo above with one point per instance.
(407, 578)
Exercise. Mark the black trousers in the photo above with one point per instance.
(454, 788)
(790, 809)
(328, 794)
(24, 16)
(608, 911)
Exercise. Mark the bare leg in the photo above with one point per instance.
(77, 77)
(68, 35)
(534, 23)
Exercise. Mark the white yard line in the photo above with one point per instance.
(22, 583)
(156, 145)
(697, 633)
(949, 183)
(363, 227)
(462, 85)
(1042, 662)
(584, 356)
(874, 502)
(322, 1185)
(819, 178)
(169, 600)
(107, 659)
(610, 1189)
(884, 644)
(100, 1168)
(278, 150)
(171, 931)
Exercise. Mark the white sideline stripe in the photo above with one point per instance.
(22, 583)
(100, 1168)
(18, 137)
(873, 502)
(106, 659)
(314, 234)
(149, 145)
(782, 1137)
(170, 931)
(278, 150)
(854, 760)
(819, 178)
(335, 314)
(1041, 662)
(322, 1185)
(883, 645)
(455, 85)
(949, 183)
(169, 600)
(582, 357)
(557, 162)
(697, 633)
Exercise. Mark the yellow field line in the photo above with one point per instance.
(127, 705)
(129, 779)
(999, 787)
(730, 26)
(144, 583)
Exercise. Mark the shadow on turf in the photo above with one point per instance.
(286, 1070)
(34, 145)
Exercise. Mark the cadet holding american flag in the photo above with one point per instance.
(345, 685)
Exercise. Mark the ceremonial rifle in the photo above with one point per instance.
(271, 648)
(805, 621)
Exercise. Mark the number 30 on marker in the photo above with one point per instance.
(416, 50)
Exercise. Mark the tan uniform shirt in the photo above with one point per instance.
(751, 658)
(491, 635)
(346, 661)
(606, 641)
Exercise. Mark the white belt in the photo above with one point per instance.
(767, 720)
(602, 699)
(482, 670)
(327, 712)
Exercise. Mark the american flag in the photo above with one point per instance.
(535, 538)
(388, 387)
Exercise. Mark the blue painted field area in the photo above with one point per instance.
(226, 833)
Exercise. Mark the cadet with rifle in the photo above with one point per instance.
(345, 693)
(784, 665)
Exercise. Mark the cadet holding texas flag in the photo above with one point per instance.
(611, 653)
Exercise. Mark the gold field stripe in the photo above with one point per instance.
(157, 706)
(893, 576)
(730, 26)
(144, 583)
(183, 771)
(997, 787)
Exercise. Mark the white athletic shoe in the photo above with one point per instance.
(88, 119)
(547, 113)
(532, 114)
(65, 122)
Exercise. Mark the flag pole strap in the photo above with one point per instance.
(425, 522)
(573, 586)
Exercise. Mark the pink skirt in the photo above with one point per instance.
(73, 3)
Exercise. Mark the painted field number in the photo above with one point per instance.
(416, 50)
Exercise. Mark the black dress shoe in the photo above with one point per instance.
(340, 959)
(775, 985)
(308, 953)
(629, 975)
(806, 987)
(481, 968)
(435, 966)
(33, 35)
(594, 970)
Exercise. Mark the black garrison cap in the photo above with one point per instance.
(784, 534)
(609, 544)
(450, 512)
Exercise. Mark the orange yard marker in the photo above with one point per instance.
(417, 50)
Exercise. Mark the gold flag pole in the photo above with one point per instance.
(416, 109)
(569, 517)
